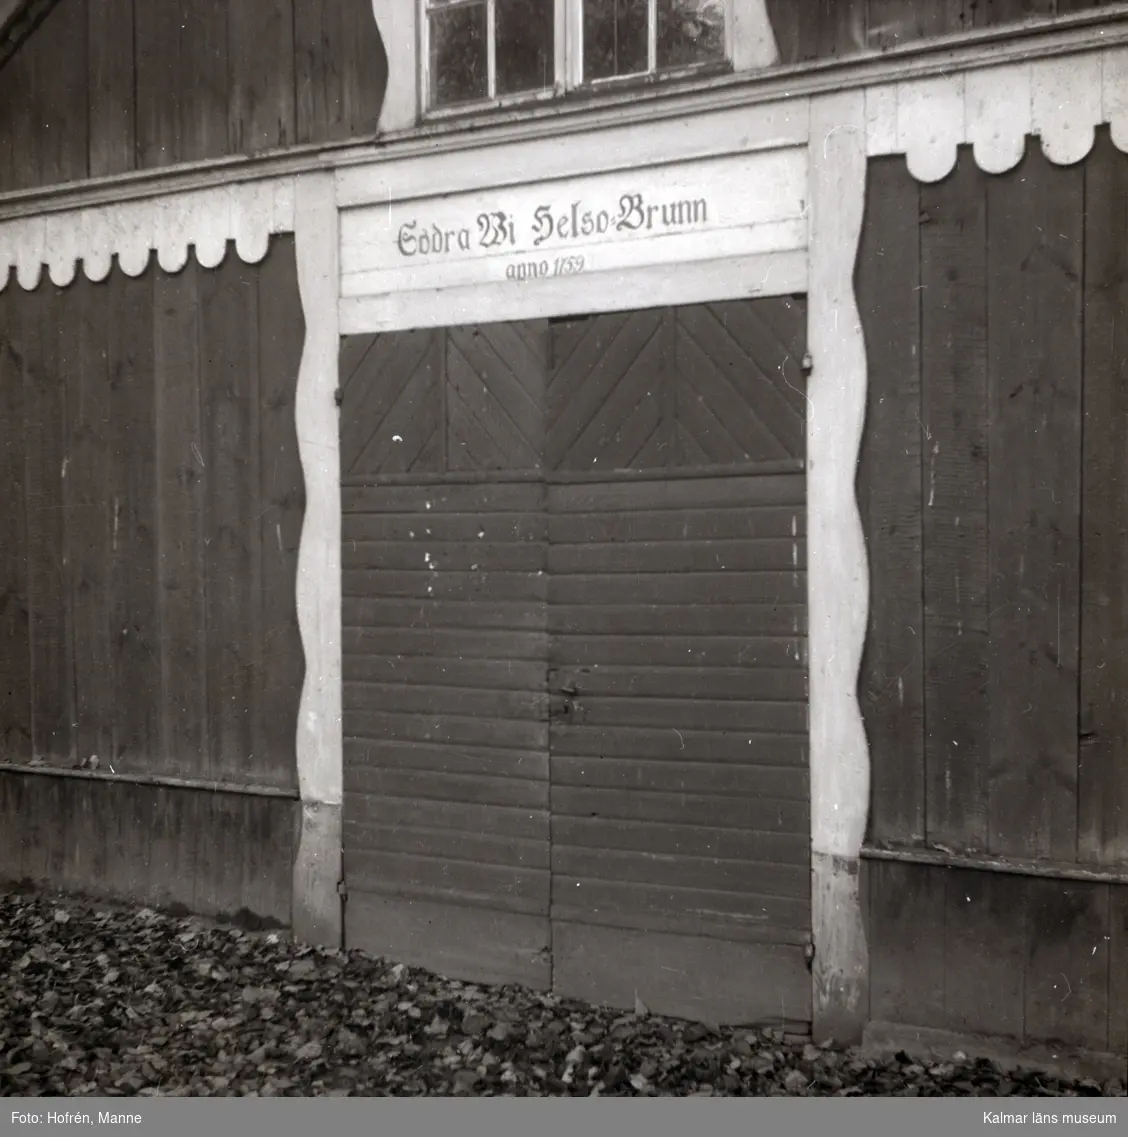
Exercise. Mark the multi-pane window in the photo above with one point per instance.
(497, 51)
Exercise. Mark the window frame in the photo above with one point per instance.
(568, 59)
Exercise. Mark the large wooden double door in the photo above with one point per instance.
(575, 656)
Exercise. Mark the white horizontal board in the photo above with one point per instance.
(655, 286)
(623, 139)
(532, 268)
(736, 206)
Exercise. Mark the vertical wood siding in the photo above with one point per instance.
(811, 30)
(104, 87)
(216, 854)
(150, 522)
(996, 510)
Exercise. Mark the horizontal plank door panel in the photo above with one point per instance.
(677, 622)
(445, 654)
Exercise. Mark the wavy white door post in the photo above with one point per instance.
(317, 867)
(837, 569)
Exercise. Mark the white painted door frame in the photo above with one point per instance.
(831, 130)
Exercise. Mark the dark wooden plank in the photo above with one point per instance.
(469, 527)
(993, 13)
(665, 619)
(681, 809)
(483, 674)
(403, 435)
(696, 977)
(89, 481)
(271, 826)
(180, 493)
(15, 631)
(697, 713)
(666, 744)
(955, 414)
(59, 53)
(46, 364)
(1102, 790)
(261, 54)
(736, 362)
(708, 874)
(15, 821)
(501, 383)
(429, 555)
(906, 942)
(511, 497)
(465, 586)
(411, 698)
(782, 685)
(678, 840)
(530, 765)
(1067, 980)
(505, 614)
(482, 848)
(1034, 218)
(399, 376)
(753, 555)
(679, 493)
(1118, 970)
(228, 331)
(483, 885)
(985, 952)
(113, 75)
(479, 945)
(282, 490)
(442, 642)
(19, 156)
(796, 27)
(586, 391)
(763, 782)
(456, 814)
(182, 81)
(341, 70)
(891, 683)
(450, 729)
(778, 919)
(134, 615)
(841, 28)
(894, 23)
(680, 651)
(714, 588)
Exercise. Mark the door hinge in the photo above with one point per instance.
(809, 954)
(339, 396)
(342, 890)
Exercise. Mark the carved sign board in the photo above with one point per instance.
(516, 237)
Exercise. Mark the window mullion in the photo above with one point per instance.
(560, 45)
(491, 48)
(573, 42)
(652, 36)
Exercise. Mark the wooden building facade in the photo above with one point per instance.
(641, 525)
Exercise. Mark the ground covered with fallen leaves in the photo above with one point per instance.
(106, 1001)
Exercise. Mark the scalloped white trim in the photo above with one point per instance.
(248, 213)
(1062, 100)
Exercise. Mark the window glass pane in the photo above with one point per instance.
(690, 31)
(525, 31)
(615, 34)
(459, 62)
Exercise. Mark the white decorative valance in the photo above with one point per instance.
(248, 213)
(1062, 100)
